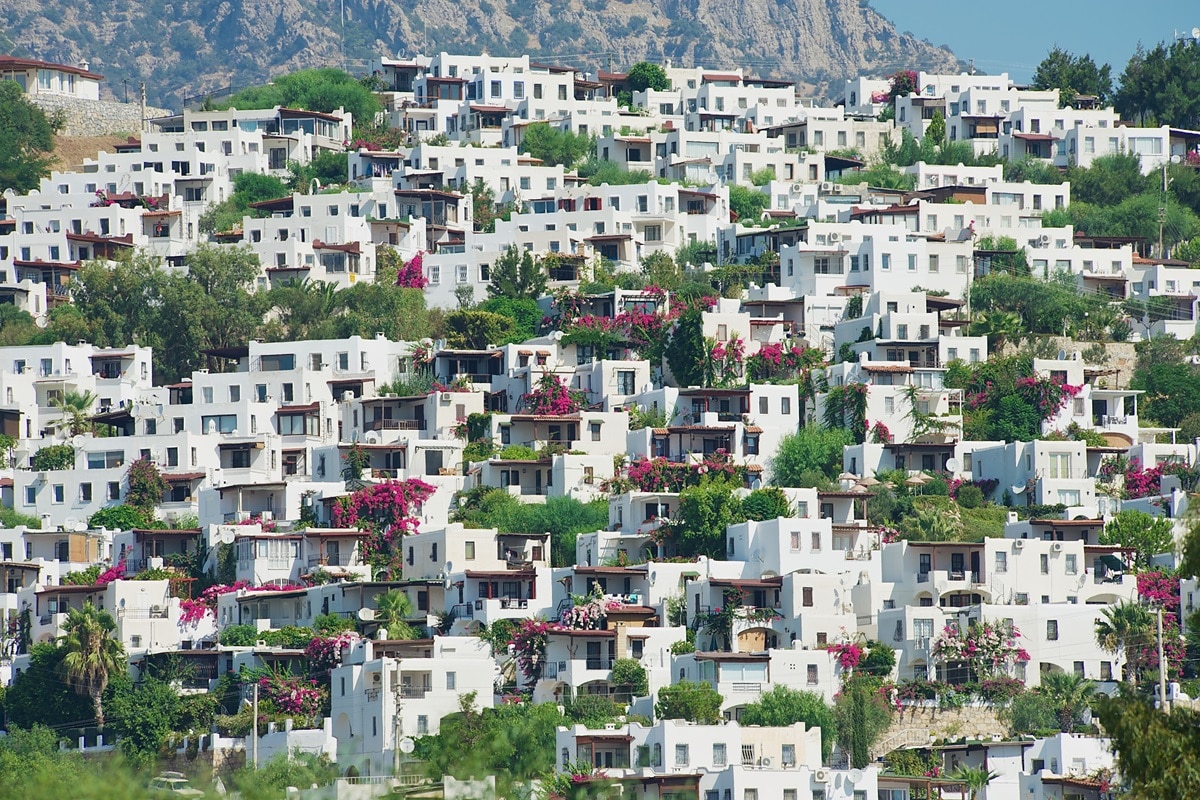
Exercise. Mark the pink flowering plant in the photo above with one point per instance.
(778, 362)
(412, 274)
(385, 513)
(302, 699)
(578, 781)
(114, 573)
(326, 652)
(553, 398)
(879, 433)
(848, 654)
(193, 611)
(989, 648)
(660, 475)
(529, 646)
(725, 360)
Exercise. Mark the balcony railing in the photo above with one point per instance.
(961, 575)
(600, 663)
(463, 611)
(395, 425)
(415, 691)
(1109, 419)
(155, 612)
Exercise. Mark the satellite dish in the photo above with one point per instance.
(139, 411)
(952, 465)
(70, 523)
(855, 775)
(1196, 33)
(81, 526)
(448, 567)
(372, 438)
(366, 614)
(1019, 489)
(407, 745)
(78, 440)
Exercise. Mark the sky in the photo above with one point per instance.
(1019, 33)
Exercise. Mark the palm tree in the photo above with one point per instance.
(975, 778)
(998, 326)
(1069, 693)
(1124, 625)
(76, 407)
(392, 610)
(92, 654)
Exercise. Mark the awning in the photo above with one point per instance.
(1112, 562)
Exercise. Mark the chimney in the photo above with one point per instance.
(83, 65)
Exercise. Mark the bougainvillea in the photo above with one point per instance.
(879, 433)
(113, 573)
(412, 274)
(989, 648)
(848, 655)
(384, 512)
(529, 646)
(587, 613)
(725, 361)
(192, 611)
(660, 475)
(552, 398)
(300, 697)
(775, 361)
(325, 652)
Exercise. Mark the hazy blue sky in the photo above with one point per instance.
(1013, 37)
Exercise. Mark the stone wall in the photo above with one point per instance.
(97, 117)
(917, 725)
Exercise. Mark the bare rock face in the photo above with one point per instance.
(185, 48)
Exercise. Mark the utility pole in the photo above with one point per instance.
(1162, 666)
(255, 712)
(1162, 213)
(143, 96)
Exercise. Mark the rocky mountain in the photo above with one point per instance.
(185, 48)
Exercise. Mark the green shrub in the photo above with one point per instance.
(970, 496)
(629, 672)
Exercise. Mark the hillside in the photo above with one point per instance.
(189, 47)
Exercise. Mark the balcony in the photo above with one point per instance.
(462, 611)
(154, 612)
(395, 425)
(415, 691)
(600, 663)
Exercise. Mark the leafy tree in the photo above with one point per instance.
(861, 716)
(326, 168)
(396, 312)
(685, 352)
(143, 716)
(517, 275)
(92, 655)
(1032, 713)
(122, 518)
(1035, 171)
(645, 75)
(248, 187)
(1147, 536)
(767, 503)
(783, 706)
(1157, 86)
(937, 128)
(271, 780)
(514, 742)
(599, 171)
(26, 140)
(53, 457)
(392, 611)
(630, 672)
(1073, 75)
(302, 310)
(1109, 180)
(881, 176)
(475, 330)
(555, 146)
(563, 517)
(325, 90)
(811, 453)
(146, 486)
(747, 203)
(1171, 390)
(689, 700)
(1158, 754)
(38, 695)
(525, 314)
(704, 512)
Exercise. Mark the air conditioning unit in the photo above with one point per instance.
(1018, 544)
(765, 761)
(444, 397)
(797, 188)
(835, 237)
(826, 186)
(376, 677)
(1056, 547)
(821, 776)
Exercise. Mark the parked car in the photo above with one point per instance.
(173, 784)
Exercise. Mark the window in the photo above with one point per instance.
(718, 755)
(785, 405)
(1001, 562)
(114, 490)
(1052, 630)
(812, 675)
(106, 460)
(218, 423)
(451, 681)
(1060, 465)
(1071, 564)
(789, 755)
(681, 755)
(625, 381)
(1106, 671)
(1045, 563)
(58, 493)
(469, 551)
(808, 597)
